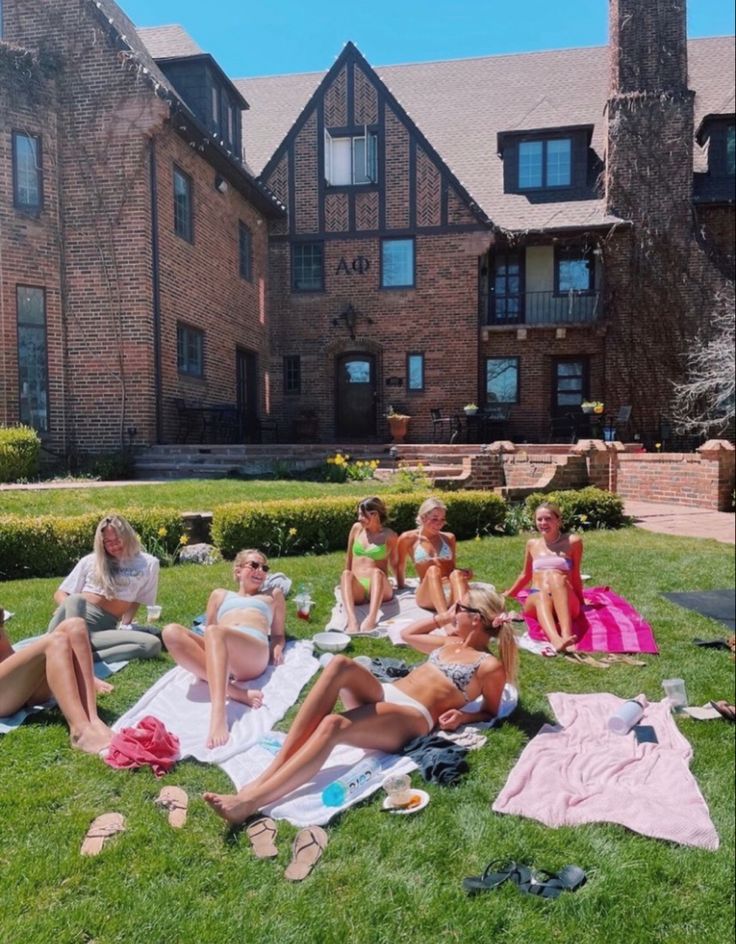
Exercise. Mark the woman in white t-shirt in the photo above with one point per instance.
(106, 588)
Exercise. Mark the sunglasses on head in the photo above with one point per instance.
(257, 565)
(467, 609)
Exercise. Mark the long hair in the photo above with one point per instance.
(373, 504)
(492, 607)
(105, 567)
(427, 506)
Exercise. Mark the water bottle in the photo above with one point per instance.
(340, 791)
(629, 714)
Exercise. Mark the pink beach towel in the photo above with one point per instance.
(147, 743)
(608, 623)
(580, 772)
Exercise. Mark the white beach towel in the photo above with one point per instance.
(8, 723)
(304, 807)
(182, 703)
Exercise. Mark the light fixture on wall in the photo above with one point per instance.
(350, 316)
(221, 184)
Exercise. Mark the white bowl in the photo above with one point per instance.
(331, 642)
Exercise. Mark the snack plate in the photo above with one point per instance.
(406, 810)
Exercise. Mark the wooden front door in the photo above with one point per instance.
(246, 380)
(356, 396)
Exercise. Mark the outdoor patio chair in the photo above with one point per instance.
(444, 428)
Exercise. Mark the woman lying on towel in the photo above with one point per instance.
(371, 548)
(57, 666)
(244, 632)
(552, 566)
(106, 588)
(387, 716)
(432, 552)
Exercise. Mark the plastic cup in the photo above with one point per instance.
(674, 689)
(153, 613)
(398, 789)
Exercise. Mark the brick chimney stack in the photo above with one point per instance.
(649, 161)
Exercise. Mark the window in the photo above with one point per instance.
(215, 107)
(397, 263)
(27, 181)
(292, 374)
(183, 224)
(545, 163)
(189, 350)
(502, 380)
(731, 150)
(415, 372)
(307, 270)
(245, 252)
(570, 383)
(32, 361)
(574, 270)
(351, 160)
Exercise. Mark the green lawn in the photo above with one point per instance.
(383, 879)
(187, 494)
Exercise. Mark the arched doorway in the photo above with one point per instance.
(355, 406)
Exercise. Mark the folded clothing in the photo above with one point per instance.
(439, 760)
(146, 744)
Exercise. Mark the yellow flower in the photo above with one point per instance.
(162, 532)
(184, 539)
(477, 537)
(583, 518)
(658, 446)
(292, 532)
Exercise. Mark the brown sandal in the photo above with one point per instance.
(102, 828)
(726, 711)
(306, 852)
(262, 833)
(176, 801)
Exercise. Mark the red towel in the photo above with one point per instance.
(147, 743)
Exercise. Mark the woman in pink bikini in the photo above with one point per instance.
(371, 549)
(386, 716)
(432, 552)
(552, 566)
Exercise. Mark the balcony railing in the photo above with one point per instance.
(544, 308)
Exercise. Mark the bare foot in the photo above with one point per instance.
(567, 643)
(368, 624)
(246, 696)
(229, 806)
(218, 734)
(352, 626)
(102, 687)
(92, 739)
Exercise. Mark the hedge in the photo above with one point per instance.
(19, 451)
(320, 525)
(583, 509)
(49, 546)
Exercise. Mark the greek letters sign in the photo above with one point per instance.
(358, 266)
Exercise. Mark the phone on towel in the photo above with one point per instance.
(645, 734)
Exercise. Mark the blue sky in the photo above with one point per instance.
(271, 37)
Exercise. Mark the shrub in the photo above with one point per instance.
(19, 450)
(320, 525)
(50, 546)
(583, 509)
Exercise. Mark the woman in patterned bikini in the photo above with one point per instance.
(371, 549)
(387, 716)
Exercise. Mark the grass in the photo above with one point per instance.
(383, 879)
(187, 494)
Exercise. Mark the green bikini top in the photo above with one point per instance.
(374, 551)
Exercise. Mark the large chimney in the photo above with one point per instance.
(649, 161)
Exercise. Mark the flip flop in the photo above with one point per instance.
(262, 833)
(711, 643)
(493, 875)
(586, 660)
(726, 711)
(613, 657)
(306, 851)
(551, 885)
(102, 828)
(176, 801)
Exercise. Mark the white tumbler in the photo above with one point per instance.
(626, 717)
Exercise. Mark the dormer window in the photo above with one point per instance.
(351, 159)
(545, 163)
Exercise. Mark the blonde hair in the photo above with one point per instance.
(427, 506)
(492, 607)
(105, 568)
(373, 503)
(550, 506)
(242, 556)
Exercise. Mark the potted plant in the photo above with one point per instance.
(592, 406)
(398, 423)
(470, 409)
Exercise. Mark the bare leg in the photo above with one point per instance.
(226, 647)
(372, 725)
(566, 606)
(540, 605)
(431, 591)
(22, 674)
(380, 591)
(458, 585)
(352, 591)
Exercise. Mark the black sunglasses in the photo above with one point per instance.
(467, 609)
(257, 565)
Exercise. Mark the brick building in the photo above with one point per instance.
(524, 231)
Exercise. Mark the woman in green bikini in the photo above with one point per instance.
(371, 548)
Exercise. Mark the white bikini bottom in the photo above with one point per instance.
(395, 696)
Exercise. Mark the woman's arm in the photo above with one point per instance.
(576, 555)
(213, 605)
(6, 648)
(417, 635)
(59, 597)
(392, 543)
(492, 678)
(352, 537)
(278, 627)
(403, 551)
(525, 576)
